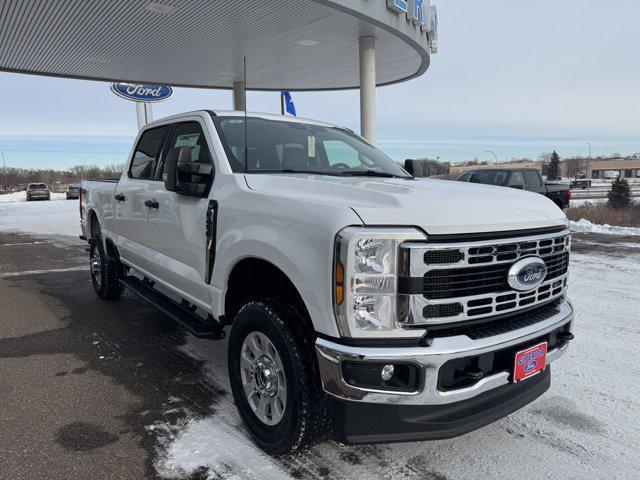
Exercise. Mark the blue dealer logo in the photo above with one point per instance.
(529, 367)
(138, 92)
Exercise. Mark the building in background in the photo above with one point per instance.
(614, 167)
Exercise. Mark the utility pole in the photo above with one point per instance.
(494, 155)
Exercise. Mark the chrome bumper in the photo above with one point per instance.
(430, 359)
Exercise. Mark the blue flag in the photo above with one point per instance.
(288, 103)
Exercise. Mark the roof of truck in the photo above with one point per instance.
(235, 113)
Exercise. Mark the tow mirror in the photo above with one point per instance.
(170, 174)
(186, 178)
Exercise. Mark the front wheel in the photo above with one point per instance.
(274, 378)
(104, 272)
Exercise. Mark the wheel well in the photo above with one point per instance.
(256, 278)
(94, 224)
(111, 249)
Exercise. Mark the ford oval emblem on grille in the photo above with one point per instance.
(527, 273)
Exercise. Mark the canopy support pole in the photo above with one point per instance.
(368, 88)
(239, 96)
(144, 113)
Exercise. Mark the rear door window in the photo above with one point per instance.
(533, 179)
(516, 180)
(147, 153)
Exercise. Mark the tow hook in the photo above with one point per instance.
(473, 373)
(564, 337)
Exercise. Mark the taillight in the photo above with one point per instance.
(570, 194)
(80, 202)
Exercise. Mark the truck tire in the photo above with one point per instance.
(104, 271)
(274, 377)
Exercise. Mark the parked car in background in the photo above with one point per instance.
(38, 191)
(73, 191)
(582, 183)
(521, 178)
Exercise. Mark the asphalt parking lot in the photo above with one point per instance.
(101, 390)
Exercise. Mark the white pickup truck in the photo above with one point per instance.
(361, 303)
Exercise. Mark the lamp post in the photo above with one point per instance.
(494, 155)
(587, 172)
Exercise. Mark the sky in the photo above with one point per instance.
(514, 77)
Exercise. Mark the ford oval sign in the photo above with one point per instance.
(527, 273)
(138, 92)
(529, 367)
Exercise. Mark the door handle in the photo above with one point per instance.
(119, 197)
(152, 204)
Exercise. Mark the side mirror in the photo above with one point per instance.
(186, 178)
(178, 155)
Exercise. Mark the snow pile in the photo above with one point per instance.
(210, 445)
(22, 196)
(585, 226)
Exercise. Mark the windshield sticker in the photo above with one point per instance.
(311, 145)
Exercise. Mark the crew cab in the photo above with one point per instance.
(360, 303)
(521, 178)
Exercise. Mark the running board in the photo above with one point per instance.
(197, 326)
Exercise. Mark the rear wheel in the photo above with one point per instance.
(274, 378)
(105, 272)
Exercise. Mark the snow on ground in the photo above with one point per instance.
(581, 202)
(22, 197)
(586, 426)
(585, 226)
(57, 216)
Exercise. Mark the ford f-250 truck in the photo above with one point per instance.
(360, 302)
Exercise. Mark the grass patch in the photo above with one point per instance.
(601, 214)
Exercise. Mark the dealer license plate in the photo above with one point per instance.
(530, 361)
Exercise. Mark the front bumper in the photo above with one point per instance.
(430, 360)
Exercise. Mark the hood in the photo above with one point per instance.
(437, 206)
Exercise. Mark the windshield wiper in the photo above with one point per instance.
(289, 170)
(369, 173)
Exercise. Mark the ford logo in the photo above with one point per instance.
(138, 92)
(531, 366)
(527, 273)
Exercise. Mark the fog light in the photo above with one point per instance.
(387, 372)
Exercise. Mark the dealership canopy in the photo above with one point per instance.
(288, 44)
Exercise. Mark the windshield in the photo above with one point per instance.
(291, 147)
(489, 177)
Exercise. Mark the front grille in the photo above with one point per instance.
(435, 257)
(492, 278)
(449, 283)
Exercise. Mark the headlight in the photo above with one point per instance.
(366, 281)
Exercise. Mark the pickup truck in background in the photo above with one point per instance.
(361, 303)
(521, 178)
